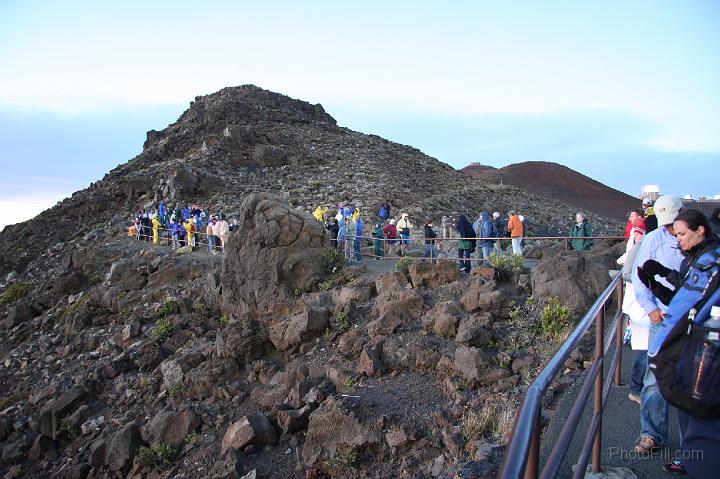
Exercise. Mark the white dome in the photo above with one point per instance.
(688, 197)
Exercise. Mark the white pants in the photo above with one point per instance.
(517, 249)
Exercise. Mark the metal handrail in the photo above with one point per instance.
(522, 453)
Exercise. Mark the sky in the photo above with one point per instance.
(624, 92)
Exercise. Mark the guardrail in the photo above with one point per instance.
(441, 254)
(523, 450)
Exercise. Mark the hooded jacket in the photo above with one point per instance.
(484, 228)
(465, 230)
(515, 227)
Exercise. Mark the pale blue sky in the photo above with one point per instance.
(625, 92)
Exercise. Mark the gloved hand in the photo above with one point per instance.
(644, 277)
(662, 293)
(652, 268)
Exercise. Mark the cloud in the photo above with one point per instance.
(22, 208)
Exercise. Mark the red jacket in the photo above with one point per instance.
(390, 231)
(628, 227)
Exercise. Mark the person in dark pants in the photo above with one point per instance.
(430, 235)
(466, 245)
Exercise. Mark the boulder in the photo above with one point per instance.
(470, 297)
(244, 340)
(394, 307)
(18, 314)
(576, 278)
(276, 251)
(351, 295)
(471, 362)
(428, 275)
(170, 427)
(473, 330)
(443, 319)
(254, 428)
(122, 447)
(477, 299)
(390, 280)
(307, 324)
(292, 421)
(270, 397)
(370, 363)
(331, 426)
(52, 413)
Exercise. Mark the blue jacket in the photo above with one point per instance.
(484, 228)
(358, 228)
(342, 231)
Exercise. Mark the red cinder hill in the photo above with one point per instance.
(560, 183)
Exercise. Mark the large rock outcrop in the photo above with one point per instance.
(276, 252)
(576, 278)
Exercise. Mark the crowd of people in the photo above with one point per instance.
(182, 226)
(665, 263)
(393, 235)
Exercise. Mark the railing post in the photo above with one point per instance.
(533, 462)
(620, 331)
(567, 244)
(597, 410)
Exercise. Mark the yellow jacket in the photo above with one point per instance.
(189, 227)
(319, 213)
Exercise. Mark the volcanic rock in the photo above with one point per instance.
(276, 251)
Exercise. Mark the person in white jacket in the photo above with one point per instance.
(221, 229)
(639, 324)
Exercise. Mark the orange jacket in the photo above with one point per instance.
(515, 227)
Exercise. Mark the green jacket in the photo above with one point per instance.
(579, 231)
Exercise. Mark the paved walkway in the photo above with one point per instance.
(621, 427)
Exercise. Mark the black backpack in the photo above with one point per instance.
(685, 355)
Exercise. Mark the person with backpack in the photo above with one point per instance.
(685, 352)
(579, 231)
(660, 246)
(485, 230)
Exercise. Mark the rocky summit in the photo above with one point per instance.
(121, 358)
